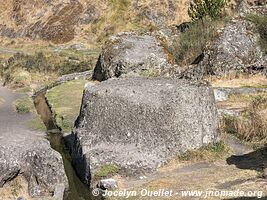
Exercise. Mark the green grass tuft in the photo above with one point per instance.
(107, 170)
(210, 153)
(24, 105)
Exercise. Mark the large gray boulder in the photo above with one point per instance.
(129, 54)
(37, 162)
(235, 51)
(138, 124)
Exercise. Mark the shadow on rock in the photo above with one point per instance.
(256, 160)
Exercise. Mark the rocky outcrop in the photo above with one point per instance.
(35, 160)
(235, 51)
(138, 124)
(128, 54)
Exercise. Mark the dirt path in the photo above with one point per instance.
(13, 126)
(15, 137)
(241, 171)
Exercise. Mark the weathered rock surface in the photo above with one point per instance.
(42, 166)
(236, 50)
(128, 54)
(27, 152)
(139, 124)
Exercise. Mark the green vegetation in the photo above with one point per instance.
(191, 43)
(43, 66)
(107, 170)
(65, 101)
(207, 17)
(200, 9)
(24, 105)
(150, 73)
(16, 187)
(210, 153)
(261, 24)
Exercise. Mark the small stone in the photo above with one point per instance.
(59, 192)
(21, 198)
(107, 184)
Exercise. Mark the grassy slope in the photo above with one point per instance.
(65, 101)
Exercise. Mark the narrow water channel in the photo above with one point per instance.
(77, 189)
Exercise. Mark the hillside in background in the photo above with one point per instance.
(61, 21)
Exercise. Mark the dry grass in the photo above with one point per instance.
(251, 125)
(14, 189)
(191, 44)
(112, 16)
(1, 101)
(220, 175)
(231, 81)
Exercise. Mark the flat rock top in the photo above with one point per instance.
(151, 91)
(139, 83)
(135, 48)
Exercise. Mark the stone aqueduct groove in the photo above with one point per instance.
(77, 189)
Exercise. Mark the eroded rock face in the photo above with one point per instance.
(129, 54)
(37, 161)
(138, 124)
(236, 50)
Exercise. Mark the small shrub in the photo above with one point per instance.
(24, 105)
(68, 67)
(107, 170)
(199, 9)
(192, 42)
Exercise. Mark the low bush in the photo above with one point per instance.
(24, 105)
(193, 41)
(200, 9)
